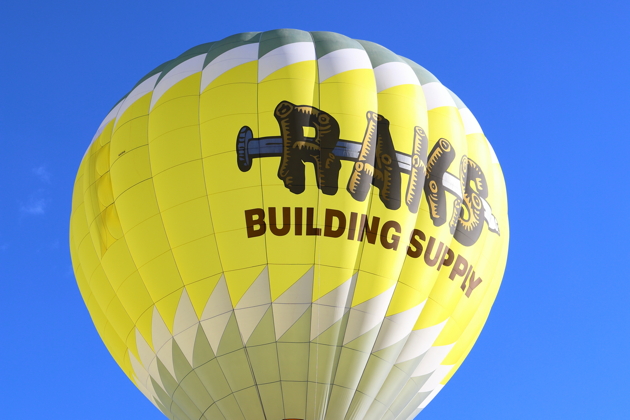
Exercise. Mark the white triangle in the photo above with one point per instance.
(434, 380)
(419, 342)
(185, 316)
(331, 307)
(142, 376)
(165, 354)
(178, 73)
(219, 301)
(396, 327)
(152, 391)
(144, 350)
(258, 293)
(285, 315)
(214, 328)
(292, 304)
(185, 326)
(341, 295)
(155, 374)
(248, 318)
(159, 331)
(186, 342)
(432, 360)
(367, 315)
(300, 292)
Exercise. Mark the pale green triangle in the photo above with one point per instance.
(163, 398)
(373, 376)
(231, 339)
(333, 336)
(391, 353)
(299, 332)
(364, 342)
(396, 380)
(170, 384)
(180, 364)
(264, 332)
(202, 352)
(406, 394)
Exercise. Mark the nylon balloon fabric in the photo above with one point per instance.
(289, 225)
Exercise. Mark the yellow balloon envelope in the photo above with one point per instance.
(289, 225)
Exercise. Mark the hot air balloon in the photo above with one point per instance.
(289, 225)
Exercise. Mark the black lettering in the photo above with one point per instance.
(460, 267)
(472, 284)
(331, 232)
(255, 222)
(416, 236)
(393, 243)
(470, 268)
(438, 253)
(352, 225)
(286, 221)
(448, 259)
(310, 220)
(370, 231)
(298, 221)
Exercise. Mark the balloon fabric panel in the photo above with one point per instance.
(289, 225)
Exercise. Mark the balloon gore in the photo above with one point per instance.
(289, 225)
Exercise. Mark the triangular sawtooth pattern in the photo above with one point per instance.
(329, 309)
(376, 371)
(184, 326)
(397, 327)
(364, 322)
(420, 341)
(315, 345)
(253, 305)
(425, 377)
(391, 339)
(292, 304)
(416, 347)
(216, 314)
(162, 341)
(367, 315)
(262, 354)
(406, 395)
(390, 389)
(329, 318)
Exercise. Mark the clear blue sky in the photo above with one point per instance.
(547, 80)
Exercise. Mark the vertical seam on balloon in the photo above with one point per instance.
(393, 293)
(170, 249)
(104, 310)
(317, 254)
(262, 199)
(437, 278)
(124, 234)
(217, 245)
(245, 351)
(406, 259)
(357, 263)
(488, 293)
(214, 233)
(339, 336)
